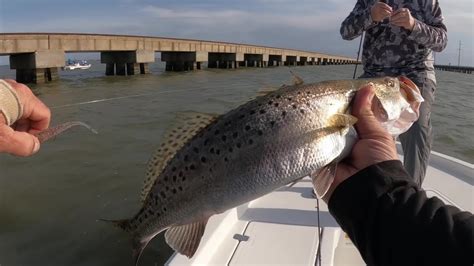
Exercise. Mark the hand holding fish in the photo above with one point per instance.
(380, 11)
(375, 144)
(31, 116)
(403, 18)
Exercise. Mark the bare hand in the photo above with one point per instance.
(19, 139)
(375, 144)
(380, 11)
(403, 18)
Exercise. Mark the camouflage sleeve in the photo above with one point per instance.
(357, 21)
(433, 33)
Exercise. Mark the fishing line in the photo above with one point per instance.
(120, 98)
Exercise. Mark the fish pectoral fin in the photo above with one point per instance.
(185, 126)
(297, 80)
(342, 120)
(336, 123)
(185, 239)
(323, 178)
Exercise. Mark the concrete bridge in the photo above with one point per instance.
(36, 57)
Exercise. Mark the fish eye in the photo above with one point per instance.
(391, 83)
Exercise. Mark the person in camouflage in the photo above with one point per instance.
(400, 38)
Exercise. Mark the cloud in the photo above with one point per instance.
(79, 25)
(317, 20)
(192, 14)
(459, 21)
(307, 25)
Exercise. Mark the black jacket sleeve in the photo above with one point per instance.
(392, 221)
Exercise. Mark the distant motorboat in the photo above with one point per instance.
(73, 65)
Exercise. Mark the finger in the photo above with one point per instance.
(403, 12)
(363, 101)
(367, 124)
(40, 115)
(22, 125)
(33, 108)
(397, 15)
(386, 14)
(398, 18)
(396, 23)
(384, 6)
(17, 143)
(10, 81)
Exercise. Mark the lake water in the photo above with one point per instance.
(50, 203)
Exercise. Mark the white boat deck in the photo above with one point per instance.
(281, 227)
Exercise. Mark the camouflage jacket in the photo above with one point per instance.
(392, 50)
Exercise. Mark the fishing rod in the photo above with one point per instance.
(358, 54)
(318, 261)
(360, 44)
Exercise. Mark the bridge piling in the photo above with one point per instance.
(183, 61)
(291, 60)
(274, 60)
(224, 60)
(255, 60)
(120, 69)
(124, 63)
(37, 67)
(109, 69)
(303, 61)
(133, 69)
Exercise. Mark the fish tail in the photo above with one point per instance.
(138, 243)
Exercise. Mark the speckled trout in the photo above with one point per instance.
(207, 164)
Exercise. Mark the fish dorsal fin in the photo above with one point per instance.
(186, 125)
(297, 80)
(323, 178)
(266, 90)
(269, 89)
(185, 239)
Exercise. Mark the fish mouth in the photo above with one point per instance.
(411, 93)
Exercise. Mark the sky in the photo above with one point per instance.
(311, 25)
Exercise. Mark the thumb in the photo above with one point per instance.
(17, 143)
(367, 123)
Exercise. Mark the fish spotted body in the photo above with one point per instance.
(208, 164)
